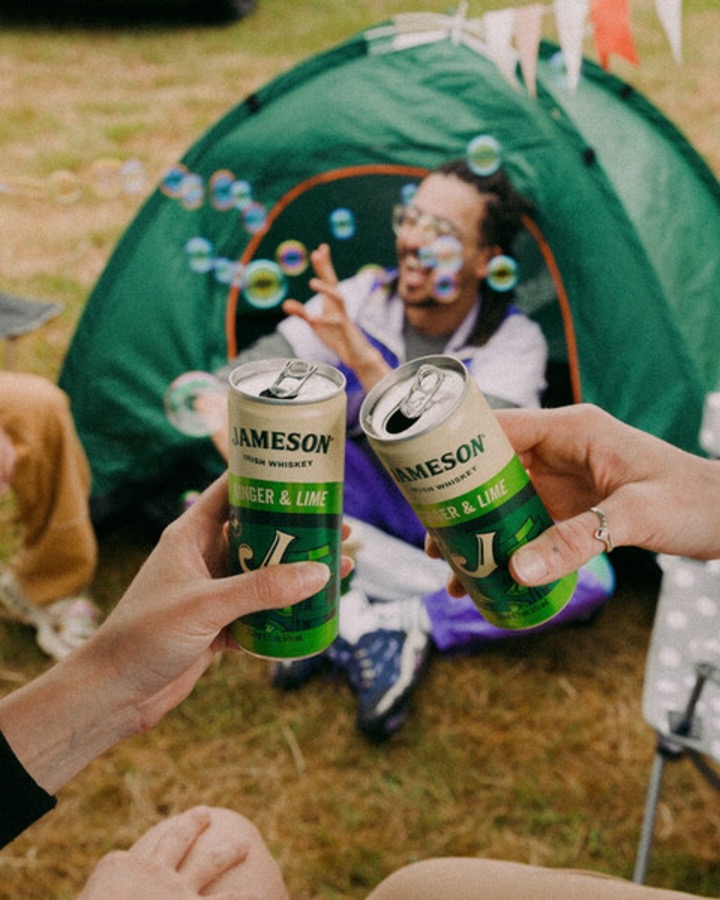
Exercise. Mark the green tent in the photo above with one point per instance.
(619, 264)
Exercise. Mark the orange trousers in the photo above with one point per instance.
(51, 486)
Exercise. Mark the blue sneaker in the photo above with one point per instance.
(384, 668)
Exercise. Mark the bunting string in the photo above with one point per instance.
(512, 35)
(508, 37)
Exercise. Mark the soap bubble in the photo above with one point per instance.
(407, 193)
(65, 186)
(201, 254)
(192, 195)
(342, 224)
(242, 193)
(376, 270)
(193, 403)
(292, 257)
(484, 154)
(173, 181)
(254, 217)
(426, 256)
(502, 273)
(221, 190)
(225, 270)
(132, 177)
(557, 67)
(263, 284)
(445, 252)
(445, 286)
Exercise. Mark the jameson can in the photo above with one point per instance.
(433, 430)
(287, 458)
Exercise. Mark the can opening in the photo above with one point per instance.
(290, 381)
(418, 399)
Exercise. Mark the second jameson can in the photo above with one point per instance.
(435, 433)
(287, 459)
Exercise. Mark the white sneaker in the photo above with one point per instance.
(70, 622)
(14, 605)
(61, 626)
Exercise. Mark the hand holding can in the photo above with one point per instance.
(440, 441)
(287, 458)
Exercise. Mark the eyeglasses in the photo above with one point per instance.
(431, 227)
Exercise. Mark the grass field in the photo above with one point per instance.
(535, 750)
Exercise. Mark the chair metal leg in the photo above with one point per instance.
(683, 726)
(646, 835)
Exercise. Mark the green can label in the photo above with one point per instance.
(280, 522)
(287, 452)
(510, 514)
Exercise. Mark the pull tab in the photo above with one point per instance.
(420, 396)
(296, 372)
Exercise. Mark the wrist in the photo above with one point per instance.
(60, 722)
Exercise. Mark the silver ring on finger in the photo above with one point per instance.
(602, 532)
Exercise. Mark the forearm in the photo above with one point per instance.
(656, 496)
(692, 511)
(61, 721)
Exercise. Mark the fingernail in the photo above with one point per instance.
(529, 566)
(313, 576)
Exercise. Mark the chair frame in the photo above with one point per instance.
(682, 740)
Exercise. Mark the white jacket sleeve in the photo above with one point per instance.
(511, 365)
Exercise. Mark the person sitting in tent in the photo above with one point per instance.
(452, 293)
(44, 464)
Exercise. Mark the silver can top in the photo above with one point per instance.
(287, 380)
(414, 399)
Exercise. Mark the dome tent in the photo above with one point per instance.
(618, 264)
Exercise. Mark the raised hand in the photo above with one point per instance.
(333, 325)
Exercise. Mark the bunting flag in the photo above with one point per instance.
(670, 15)
(528, 32)
(611, 31)
(499, 26)
(570, 17)
(611, 27)
(507, 36)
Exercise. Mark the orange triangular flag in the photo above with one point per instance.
(611, 30)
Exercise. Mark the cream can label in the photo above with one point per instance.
(287, 449)
(438, 438)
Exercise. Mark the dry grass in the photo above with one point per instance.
(535, 750)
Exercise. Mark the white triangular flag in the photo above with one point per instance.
(499, 27)
(528, 31)
(570, 17)
(670, 15)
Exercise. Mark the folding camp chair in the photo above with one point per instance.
(681, 694)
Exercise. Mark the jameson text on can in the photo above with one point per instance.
(287, 457)
(435, 433)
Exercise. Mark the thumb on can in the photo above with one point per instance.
(557, 552)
